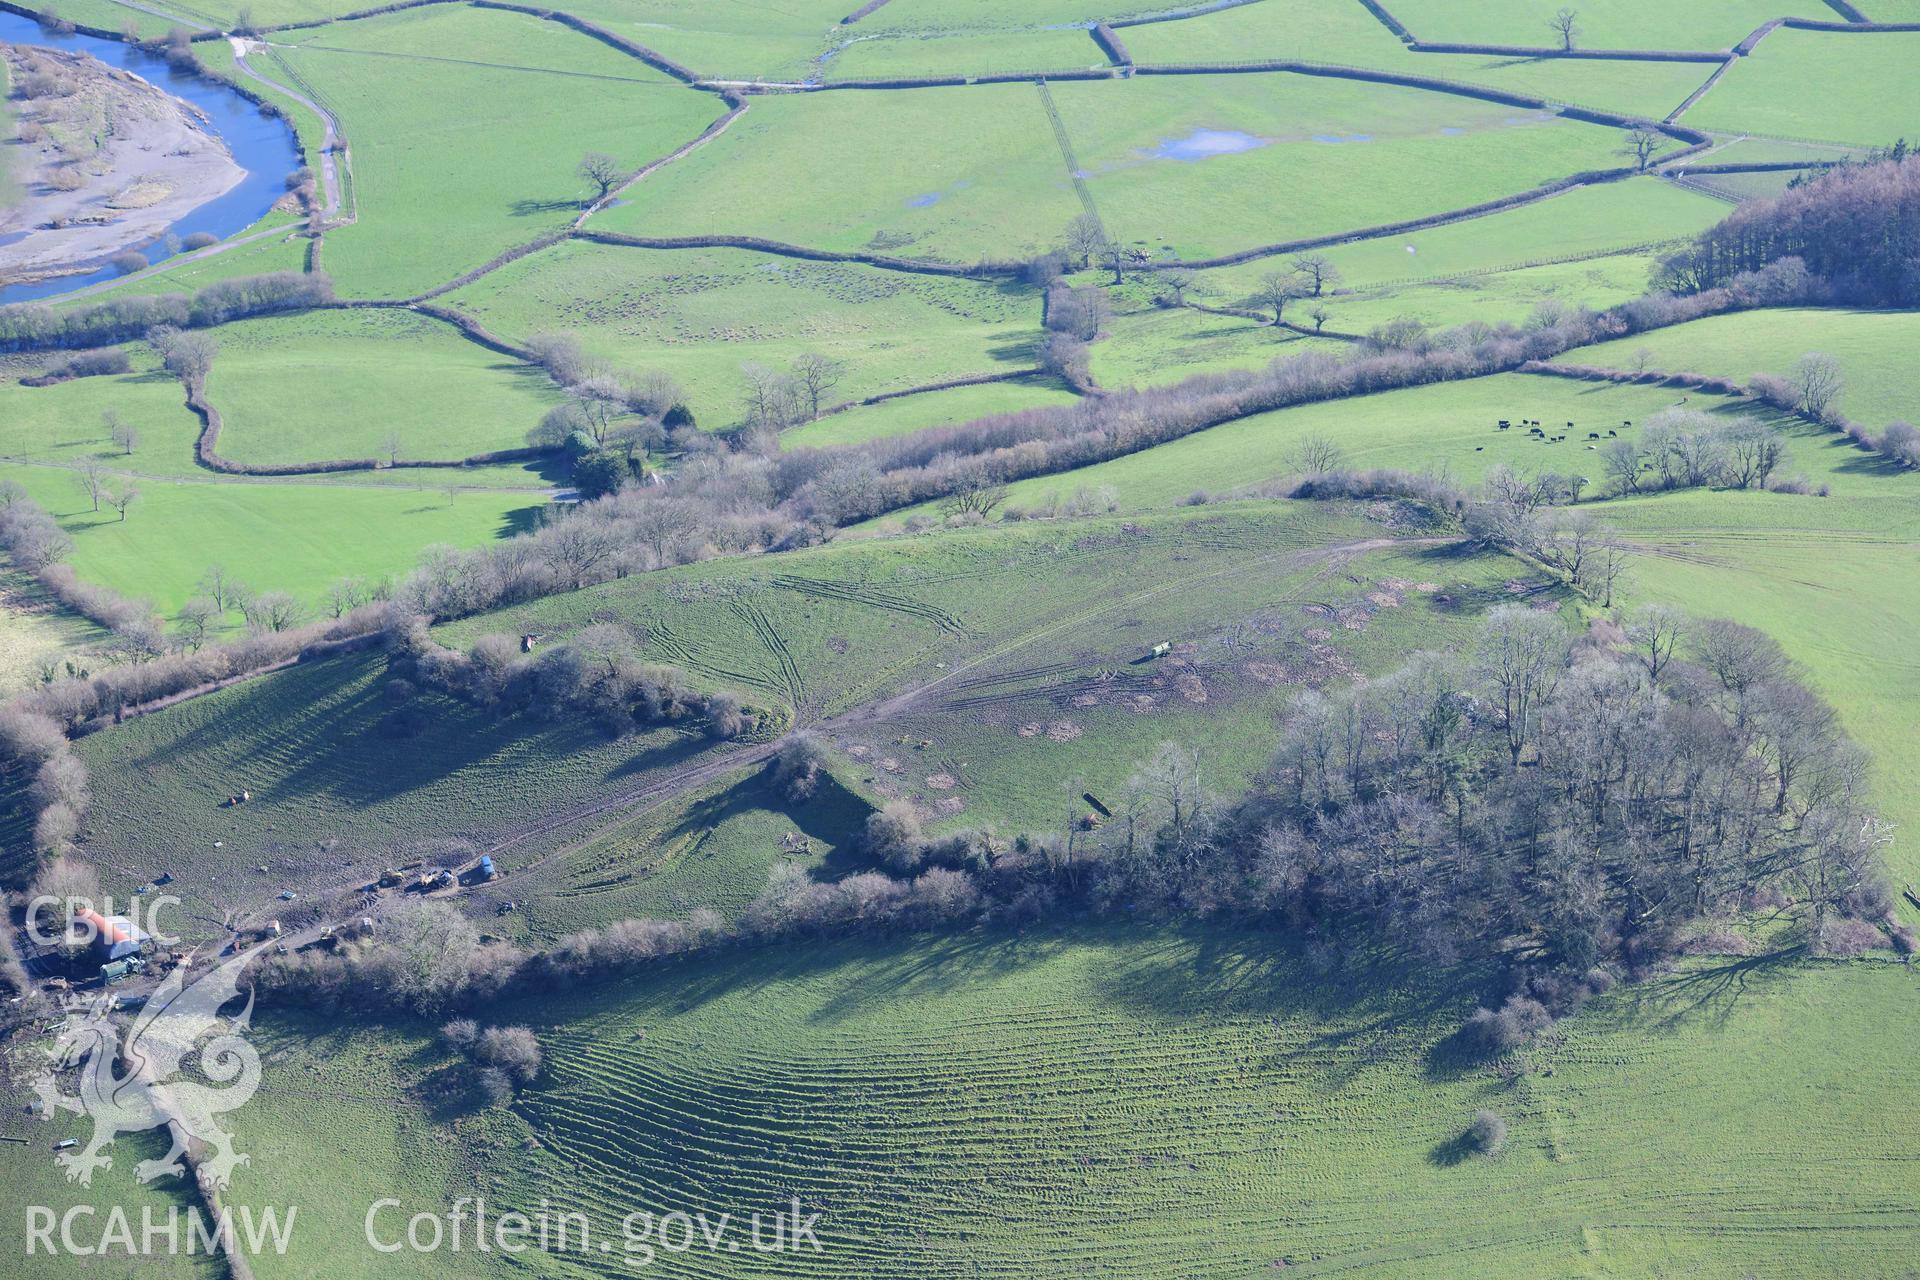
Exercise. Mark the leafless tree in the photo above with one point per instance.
(1621, 459)
(977, 495)
(390, 444)
(217, 585)
(125, 438)
(1655, 632)
(578, 546)
(598, 403)
(1643, 144)
(600, 169)
(1521, 653)
(817, 375)
(1085, 238)
(272, 611)
(122, 496)
(654, 393)
(1177, 280)
(93, 481)
(1751, 452)
(1605, 566)
(1276, 290)
(773, 397)
(1316, 455)
(196, 618)
(1319, 316)
(1316, 272)
(1080, 312)
(1566, 25)
(1819, 380)
(346, 595)
(187, 356)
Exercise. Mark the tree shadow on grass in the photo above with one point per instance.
(520, 520)
(534, 208)
(1711, 990)
(1453, 1151)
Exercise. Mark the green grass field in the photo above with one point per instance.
(988, 179)
(1824, 86)
(1628, 24)
(1590, 220)
(702, 314)
(1153, 346)
(336, 384)
(291, 537)
(296, 535)
(1881, 386)
(1007, 1104)
(932, 409)
(461, 152)
(1448, 429)
(872, 57)
(1494, 297)
(1647, 90)
(1311, 31)
(34, 630)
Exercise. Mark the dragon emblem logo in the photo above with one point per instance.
(133, 1085)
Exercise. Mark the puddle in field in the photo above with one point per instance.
(922, 202)
(1203, 144)
(1451, 131)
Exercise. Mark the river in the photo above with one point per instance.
(263, 145)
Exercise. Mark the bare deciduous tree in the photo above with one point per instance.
(1317, 455)
(196, 618)
(122, 496)
(93, 481)
(1643, 144)
(817, 375)
(977, 495)
(600, 169)
(1522, 653)
(1084, 239)
(217, 585)
(1819, 380)
(1316, 272)
(125, 438)
(1566, 25)
(1276, 290)
(1177, 280)
(272, 611)
(1655, 633)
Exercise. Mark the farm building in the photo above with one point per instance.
(114, 938)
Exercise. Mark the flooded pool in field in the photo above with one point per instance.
(1204, 144)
